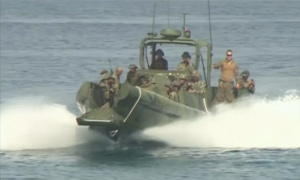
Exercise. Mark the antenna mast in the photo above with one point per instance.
(168, 12)
(153, 22)
(208, 4)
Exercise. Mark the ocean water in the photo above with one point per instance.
(49, 48)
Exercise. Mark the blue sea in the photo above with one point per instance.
(48, 48)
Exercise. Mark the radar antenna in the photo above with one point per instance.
(208, 4)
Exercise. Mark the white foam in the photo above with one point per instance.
(252, 123)
(39, 125)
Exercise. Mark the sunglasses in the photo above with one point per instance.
(229, 54)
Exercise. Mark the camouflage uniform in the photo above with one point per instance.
(183, 86)
(185, 66)
(104, 75)
(245, 86)
(168, 84)
(103, 82)
(174, 95)
(145, 81)
(229, 71)
(132, 78)
(107, 92)
(225, 93)
(198, 86)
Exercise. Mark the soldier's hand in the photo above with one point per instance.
(189, 84)
(237, 86)
(213, 66)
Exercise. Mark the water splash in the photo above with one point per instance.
(251, 123)
(36, 124)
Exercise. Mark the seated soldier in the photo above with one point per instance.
(159, 62)
(186, 64)
(183, 82)
(110, 92)
(132, 75)
(174, 94)
(197, 86)
(103, 74)
(168, 86)
(145, 81)
(103, 81)
(243, 85)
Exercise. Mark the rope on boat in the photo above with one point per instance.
(140, 95)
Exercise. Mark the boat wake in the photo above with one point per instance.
(251, 123)
(36, 124)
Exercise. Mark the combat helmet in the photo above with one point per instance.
(182, 76)
(195, 73)
(104, 76)
(103, 72)
(132, 66)
(110, 77)
(245, 73)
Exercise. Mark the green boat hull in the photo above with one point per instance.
(134, 109)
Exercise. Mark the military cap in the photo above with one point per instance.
(159, 51)
(175, 83)
(182, 76)
(186, 54)
(245, 73)
(104, 72)
(195, 73)
(110, 77)
(132, 66)
(105, 76)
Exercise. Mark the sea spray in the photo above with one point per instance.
(40, 125)
(251, 123)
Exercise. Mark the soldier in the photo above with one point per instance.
(174, 94)
(145, 81)
(168, 86)
(160, 62)
(117, 76)
(132, 75)
(103, 81)
(183, 82)
(110, 92)
(245, 87)
(229, 71)
(186, 64)
(103, 74)
(197, 86)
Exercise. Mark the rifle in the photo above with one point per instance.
(111, 95)
(111, 71)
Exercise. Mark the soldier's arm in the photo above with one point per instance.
(236, 73)
(218, 64)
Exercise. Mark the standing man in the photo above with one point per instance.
(117, 76)
(229, 71)
(159, 62)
